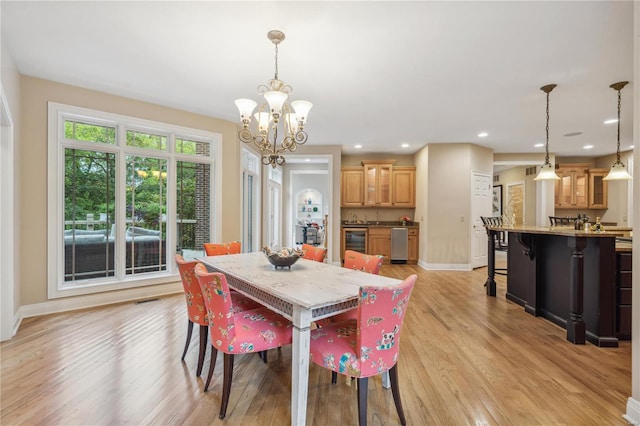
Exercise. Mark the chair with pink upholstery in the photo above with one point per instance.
(314, 253)
(370, 263)
(234, 332)
(368, 345)
(217, 249)
(196, 310)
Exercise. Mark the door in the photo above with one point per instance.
(480, 206)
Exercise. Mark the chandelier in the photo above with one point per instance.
(618, 170)
(547, 171)
(272, 115)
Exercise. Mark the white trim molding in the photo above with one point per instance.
(633, 412)
(445, 266)
(54, 306)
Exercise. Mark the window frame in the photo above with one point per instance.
(57, 143)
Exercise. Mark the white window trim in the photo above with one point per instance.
(55, 188)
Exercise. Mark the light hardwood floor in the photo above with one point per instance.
(465, 358)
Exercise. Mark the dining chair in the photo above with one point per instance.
(368, 345)
(196, 310)
(369, 263)
(314, 253)
(562, 221)
(236, 332)
(218, 249)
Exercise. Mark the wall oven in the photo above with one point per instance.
(355, 239)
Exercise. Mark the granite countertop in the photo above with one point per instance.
(557, 230)
(396, 224)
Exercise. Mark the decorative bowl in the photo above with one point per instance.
(282, 258)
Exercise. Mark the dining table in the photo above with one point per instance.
(305, 292)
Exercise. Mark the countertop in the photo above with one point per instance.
(557, 230)
(379, 225)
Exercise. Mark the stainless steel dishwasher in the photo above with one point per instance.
(399, 245)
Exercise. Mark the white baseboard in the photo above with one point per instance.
(97, 299)
(447, 267)
(633, 412)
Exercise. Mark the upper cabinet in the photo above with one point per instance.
(580, 187)
(403, 181)
(352, 187)
(598, 189)
(378, 184)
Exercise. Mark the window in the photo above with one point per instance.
(274, 203)
(126, 195)
(250, 207)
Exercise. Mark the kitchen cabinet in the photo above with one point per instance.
(623, 295)
(352, 187)
(377, 183)
(412, 257)
(380, 243)
(598, 189)
(403, 184)
(571, 191)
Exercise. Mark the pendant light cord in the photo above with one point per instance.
(546, 157)
(618, 148)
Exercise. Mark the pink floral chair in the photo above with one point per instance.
(217, 249)
(234, 332)
(196, 310)
(314, 253)
(368, 345)
(370, 263)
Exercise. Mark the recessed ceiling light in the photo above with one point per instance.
(573, 134)
(308, 159)
(405, 145)
(631, 147)
(483, 134)
(358, 146)
(539, 145)
(587, 147)
(611, 121)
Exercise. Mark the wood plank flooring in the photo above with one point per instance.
(465, 358)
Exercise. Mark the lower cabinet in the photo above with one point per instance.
(623, 295)
(412, 255)
(380, 243)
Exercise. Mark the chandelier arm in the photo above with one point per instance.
(301, 137)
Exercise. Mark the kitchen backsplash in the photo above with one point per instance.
(376, 215)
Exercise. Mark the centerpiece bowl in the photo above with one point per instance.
(282, 258)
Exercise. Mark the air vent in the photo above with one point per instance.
(496, 178)
(530, 171)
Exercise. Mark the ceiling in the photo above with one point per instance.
(378, 73)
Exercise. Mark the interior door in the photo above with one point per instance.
(480, 206)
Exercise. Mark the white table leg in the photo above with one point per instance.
(386, 383)
(300, 370)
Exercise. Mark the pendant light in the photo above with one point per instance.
(618, 170)
(547, 171)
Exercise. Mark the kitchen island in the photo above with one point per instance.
(564, 275)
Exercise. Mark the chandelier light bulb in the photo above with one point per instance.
(246, 107)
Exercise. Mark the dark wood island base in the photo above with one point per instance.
(565, 276)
